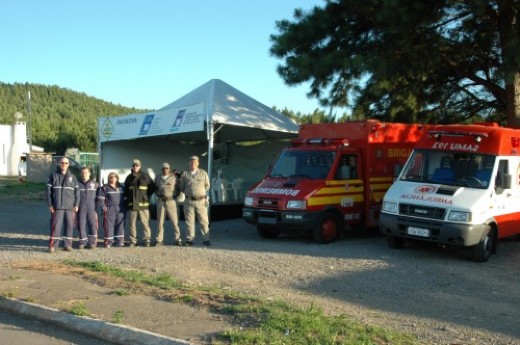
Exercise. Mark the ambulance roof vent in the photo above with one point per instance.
(439, 134)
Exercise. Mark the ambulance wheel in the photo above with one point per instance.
(395, 242)
(482, 251)
(266, 232)
(327, 230)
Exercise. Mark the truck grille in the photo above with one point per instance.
(422, 211)
(268, 203)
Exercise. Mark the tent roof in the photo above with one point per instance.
(232, 108)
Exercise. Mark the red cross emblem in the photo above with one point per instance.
(425, 189)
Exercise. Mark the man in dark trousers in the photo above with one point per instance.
(63, 202)
(139, 187)
(87, 216)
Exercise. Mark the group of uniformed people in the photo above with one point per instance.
(77, 203)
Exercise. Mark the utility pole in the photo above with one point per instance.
(30, 120)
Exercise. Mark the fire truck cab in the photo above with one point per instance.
(333, 176)
(459, 187)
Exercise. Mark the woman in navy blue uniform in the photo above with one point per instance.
(111, 200)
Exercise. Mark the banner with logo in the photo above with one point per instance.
(170, 121)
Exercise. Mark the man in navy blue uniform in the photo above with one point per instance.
(87, 216)
(63, 202)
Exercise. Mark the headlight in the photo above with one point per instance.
(390, 207)
(248, 201)
(459, 216)
(300, 204)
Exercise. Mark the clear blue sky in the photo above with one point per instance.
(147, 54)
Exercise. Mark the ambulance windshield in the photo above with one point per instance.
(449, 168)
(303, 164)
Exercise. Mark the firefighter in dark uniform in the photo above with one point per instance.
(87, 218)
(139, 186)
(63, 202)
(111, 200)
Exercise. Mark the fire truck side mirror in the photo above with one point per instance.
(397, 170)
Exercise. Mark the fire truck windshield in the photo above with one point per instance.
(449, 168)
(303, 164)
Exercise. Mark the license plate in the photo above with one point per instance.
(266, 220)
(418, 232)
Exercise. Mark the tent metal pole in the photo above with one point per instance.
(210, 134)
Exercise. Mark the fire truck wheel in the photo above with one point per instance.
(327, 230)
(266, 232)
(482, 251)
(395, 242)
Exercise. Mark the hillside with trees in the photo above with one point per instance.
(61, 118)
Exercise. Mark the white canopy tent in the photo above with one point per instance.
(210, 121)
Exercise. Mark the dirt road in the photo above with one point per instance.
(438, 294)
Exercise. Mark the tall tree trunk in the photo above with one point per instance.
(513, 101)
(508, 27)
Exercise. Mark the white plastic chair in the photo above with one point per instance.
(237, 188)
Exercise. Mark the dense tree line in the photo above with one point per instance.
(429, 61)
(317, 116)
(61, 118)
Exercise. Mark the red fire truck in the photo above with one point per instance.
(332, 177)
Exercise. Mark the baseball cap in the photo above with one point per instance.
(166, 165)
(194, 158)
(136, 162)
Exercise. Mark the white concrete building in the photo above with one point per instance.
(13, 147)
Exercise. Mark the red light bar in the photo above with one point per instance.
(319, 141)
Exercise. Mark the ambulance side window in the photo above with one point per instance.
(503, 169)
(414, 169)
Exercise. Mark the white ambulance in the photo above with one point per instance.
(460, 186)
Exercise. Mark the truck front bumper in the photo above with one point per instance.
(432, 230)
(283, 220)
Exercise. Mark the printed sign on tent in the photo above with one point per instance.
(176, 120)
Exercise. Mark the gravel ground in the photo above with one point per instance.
(437, 294)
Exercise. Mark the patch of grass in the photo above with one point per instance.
(187, 298)
(281, 323)
(118, 316)
(14, 277)
(262, 321)
(79, 309)
(159, 280)
(121, 292)
(30, 299)
(10, 294)
(11, 188)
